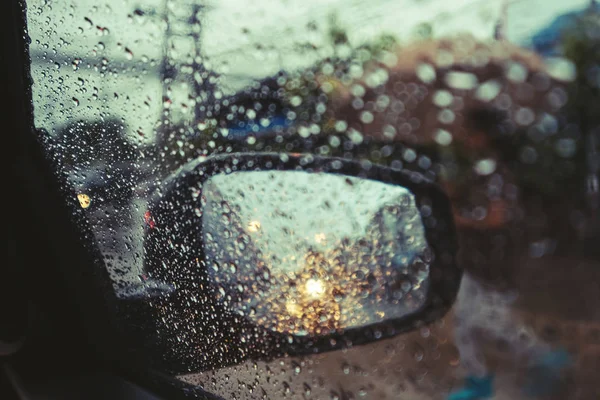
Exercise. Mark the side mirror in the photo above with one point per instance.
(274, 255)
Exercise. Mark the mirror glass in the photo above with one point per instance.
(313, 253)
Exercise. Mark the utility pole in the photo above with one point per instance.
(205, 80)
(184, 24)
(500, 28)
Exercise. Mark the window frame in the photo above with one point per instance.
(77, 333)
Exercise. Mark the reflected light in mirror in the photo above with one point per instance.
(314, 253)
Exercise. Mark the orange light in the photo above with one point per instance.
(84, 200)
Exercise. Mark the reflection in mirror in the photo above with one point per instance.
(314, 253)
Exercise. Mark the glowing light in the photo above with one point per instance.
(292, 308)
(315, 287)
(253, 226)
(149, 220)
(84, 200)
(320, 237)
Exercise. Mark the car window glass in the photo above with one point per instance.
(492, 102)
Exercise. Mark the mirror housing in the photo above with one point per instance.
(199, 331)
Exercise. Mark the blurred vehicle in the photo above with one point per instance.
(105, 182)
(101, 164)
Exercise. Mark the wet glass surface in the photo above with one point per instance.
(305, 253)
(495, 101)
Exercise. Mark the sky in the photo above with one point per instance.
(283, 23)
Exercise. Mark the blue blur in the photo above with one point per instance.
(246, 128)
(475, 388)
(545, 373)
(547, 40)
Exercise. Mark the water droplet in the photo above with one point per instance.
(524, 116)
(426, 73)
(355, 136)
(307, 389)
(442, 137)
(561, 69)
(516, 72)
(488, 91)
(442, 98)
(418, 353)
(528, 155)
(446, 116)
(461, 80)
(346, 368)
(485, 167)
(366, 117)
